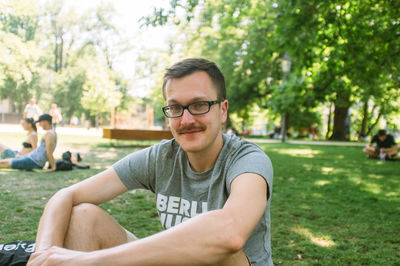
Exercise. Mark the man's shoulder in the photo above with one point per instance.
(237, 146)
(391, 138)
(165, 148)
(49, 135)
(234, 141)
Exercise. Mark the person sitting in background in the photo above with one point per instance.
(29, 144)
(39, 156)
(386, 147)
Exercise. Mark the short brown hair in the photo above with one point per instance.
(191, 65)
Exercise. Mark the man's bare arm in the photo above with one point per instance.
(205, 239)
(50, 140)
(56, 216)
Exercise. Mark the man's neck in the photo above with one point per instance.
(204, 160)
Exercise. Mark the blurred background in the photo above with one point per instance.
(299, 69)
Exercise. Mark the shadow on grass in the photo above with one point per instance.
(331, 207)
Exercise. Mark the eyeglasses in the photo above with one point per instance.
(196, 108)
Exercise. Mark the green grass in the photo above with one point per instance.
(330, 205)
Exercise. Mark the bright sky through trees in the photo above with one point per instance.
(127, 21)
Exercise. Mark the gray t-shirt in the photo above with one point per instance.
(182, 193)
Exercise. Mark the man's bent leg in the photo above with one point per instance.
(237, 259)
(91, 228)
(370, 151)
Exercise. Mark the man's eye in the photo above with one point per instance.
(199, 105)
(174, 108)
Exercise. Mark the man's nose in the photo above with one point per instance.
(187, 118)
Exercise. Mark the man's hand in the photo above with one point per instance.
(58, 257)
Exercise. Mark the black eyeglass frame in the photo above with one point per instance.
(186, 107)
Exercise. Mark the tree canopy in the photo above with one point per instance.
(56, 54)
(343, 52)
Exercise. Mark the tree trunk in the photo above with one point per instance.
(328, 129)
(61, 53)
(342, 104)
(362, 133)
(374, 123)
(56, 56)
(287, 124)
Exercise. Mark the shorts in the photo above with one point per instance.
(130, 237)
(8, 153)
(24, 163)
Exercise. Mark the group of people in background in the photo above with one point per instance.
(31, 155)
(32, 110)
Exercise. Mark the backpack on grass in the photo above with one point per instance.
(16, 253)
(65, 164)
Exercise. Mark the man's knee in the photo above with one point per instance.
(84, 212)
(92, 228)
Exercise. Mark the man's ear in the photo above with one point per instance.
(224, 110)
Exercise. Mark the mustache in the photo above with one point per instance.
(190, 128)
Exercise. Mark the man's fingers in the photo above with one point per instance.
(37, 258)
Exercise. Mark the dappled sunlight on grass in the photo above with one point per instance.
(326, 170)
(317, 195)
(306, 153)
(318, 239)
(307, 167)
(324, 202)
(375, 176)
(392, 194)
(110, 154)
(322, 182)
(371, 187)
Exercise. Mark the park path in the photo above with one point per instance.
(79, 131)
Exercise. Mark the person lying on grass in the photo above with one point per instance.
(37, 158)
(212, 191)
(29, 144)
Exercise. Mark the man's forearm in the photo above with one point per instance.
(203, 240)
(54, 222)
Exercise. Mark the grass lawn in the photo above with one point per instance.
(330, 205)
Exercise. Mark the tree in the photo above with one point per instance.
(100, 93)
(19, 54)
(339, 49)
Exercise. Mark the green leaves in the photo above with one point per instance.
(58, 55)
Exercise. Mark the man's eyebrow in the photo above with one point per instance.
(195, 99)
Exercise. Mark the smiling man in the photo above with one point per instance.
(212, 191)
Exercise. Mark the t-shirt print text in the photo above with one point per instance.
(175, 210)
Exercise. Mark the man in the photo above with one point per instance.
(32, 110)
(37, 158)
(385, 147)
(211, 189)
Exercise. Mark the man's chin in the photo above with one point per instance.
(190, 148)
(188, 144)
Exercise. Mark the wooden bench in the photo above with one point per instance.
(136, 134)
